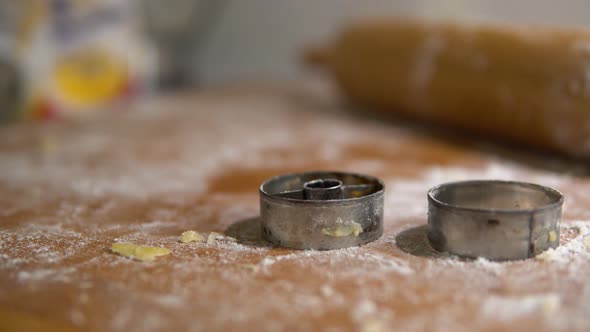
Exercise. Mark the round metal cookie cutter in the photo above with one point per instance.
(321, 210)
(498, 220)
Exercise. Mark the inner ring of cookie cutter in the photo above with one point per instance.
(497, 220)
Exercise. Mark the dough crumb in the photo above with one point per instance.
(212, 237)
(140, 253)
(587, 242)
(552, 236)
(191, 236)
(343, 228)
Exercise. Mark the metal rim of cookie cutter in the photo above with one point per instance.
(321, 210)
(493, 219)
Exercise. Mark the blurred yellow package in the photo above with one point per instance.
(74, 57)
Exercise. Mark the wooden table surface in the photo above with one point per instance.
(194, 162)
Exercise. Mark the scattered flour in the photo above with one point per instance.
(364, 309)
(345, 258)
(575, 249)
(38, 275)
(203, 282)
(77, 317)
(507, 308)
(368, 316)
(327, 291)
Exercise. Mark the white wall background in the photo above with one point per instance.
(262, 39)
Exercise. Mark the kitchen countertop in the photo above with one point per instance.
(69, 189)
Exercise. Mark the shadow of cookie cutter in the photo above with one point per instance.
(497, 220)
(321, 210)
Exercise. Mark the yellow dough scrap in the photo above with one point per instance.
(587, 242)
(552, 236)
(191, 236)
(212, 237)
(140, 253)
(340, 229)
(123, 249)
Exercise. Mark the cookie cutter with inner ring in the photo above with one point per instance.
(321, 210)
(498, 220)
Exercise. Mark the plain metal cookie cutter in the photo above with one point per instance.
(321, 210)
(498, 220)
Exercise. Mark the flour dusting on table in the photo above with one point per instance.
(147, 176)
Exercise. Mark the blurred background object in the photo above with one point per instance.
(179, 30)
(10, 88)
(262, 38)
(512, 82)
(74, 57)
(71, 57)
(10, 76)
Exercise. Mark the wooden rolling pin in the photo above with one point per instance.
(527, 84)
